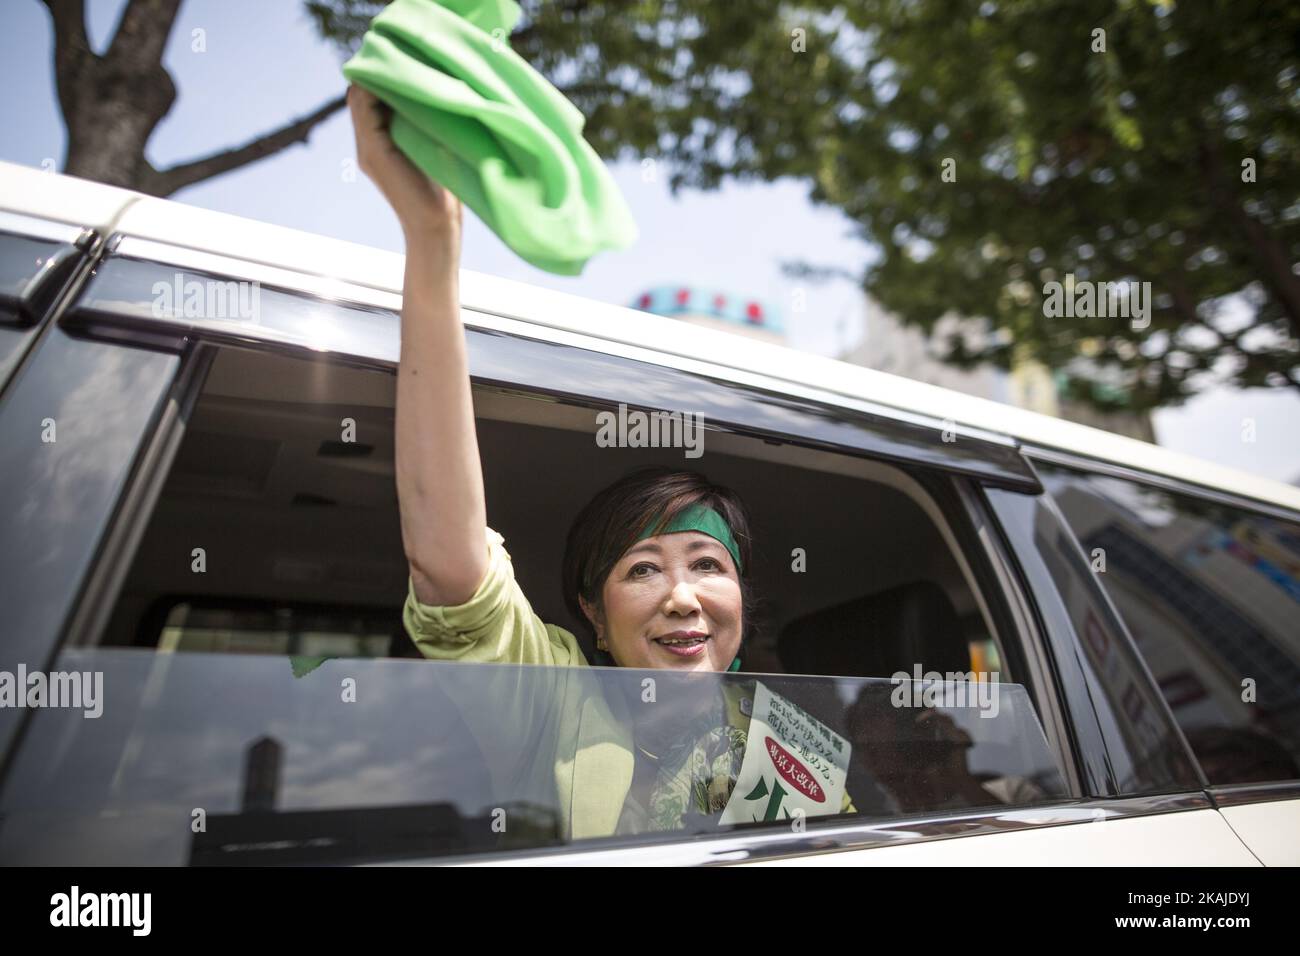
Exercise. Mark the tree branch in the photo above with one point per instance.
(73, 58)
(1184, 302)
(143, 30)
(524, 35)
(167, 181)
(1271, 256)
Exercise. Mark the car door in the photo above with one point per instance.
(1146, 800)
(239, 577)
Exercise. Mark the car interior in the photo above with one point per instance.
(283, 492)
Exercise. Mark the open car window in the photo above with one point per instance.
(263, 701)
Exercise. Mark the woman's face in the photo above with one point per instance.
(672, 601)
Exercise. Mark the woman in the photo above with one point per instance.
(656, 564)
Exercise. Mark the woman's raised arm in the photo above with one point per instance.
(439, 476)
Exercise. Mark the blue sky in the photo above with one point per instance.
(263, 64)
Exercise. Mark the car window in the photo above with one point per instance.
(257, 673)
(210, 759)
(71, 426)
(1210, 594)
(279, 516)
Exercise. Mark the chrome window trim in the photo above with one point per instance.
(376, 347)
(368, 333)
(1240, 794)
(1183, 486)
(37, 228)
(769, 845)
(345, 292)
(383, 345)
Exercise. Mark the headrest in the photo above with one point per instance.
(878, 635)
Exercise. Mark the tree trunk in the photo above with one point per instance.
(112, 103)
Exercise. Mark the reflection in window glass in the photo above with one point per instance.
(1210, 594)
(293, 759)
(285, 629)
(21, 259)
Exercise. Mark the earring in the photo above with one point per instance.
(601, 645)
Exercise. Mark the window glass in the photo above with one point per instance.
(1126, 740)
(72, 424)
(1210, 594)
(210, 759)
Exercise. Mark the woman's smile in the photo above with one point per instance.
(683, 643)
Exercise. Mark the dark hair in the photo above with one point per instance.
(611, 522)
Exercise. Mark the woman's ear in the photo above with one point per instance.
(592, 613)
(596, 618)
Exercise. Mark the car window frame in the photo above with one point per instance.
(1081, 687)
(48, 290)
(50, 294)
(198, 346)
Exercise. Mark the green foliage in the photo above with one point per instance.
(1114, 164)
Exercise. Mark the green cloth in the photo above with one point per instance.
(476, 118)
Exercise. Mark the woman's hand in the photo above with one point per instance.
(424, 208)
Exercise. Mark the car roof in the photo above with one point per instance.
(28, 191)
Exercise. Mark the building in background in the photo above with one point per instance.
(716, 309)
(892, 347)
(889, 346)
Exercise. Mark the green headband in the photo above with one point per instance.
(699, 517)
